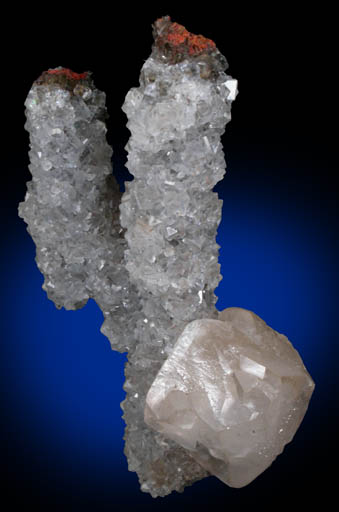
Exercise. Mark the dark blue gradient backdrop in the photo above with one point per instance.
(61, 384)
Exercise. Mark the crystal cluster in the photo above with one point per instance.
(72, 202)
(176, 118)
(205, 393)
(233, 392)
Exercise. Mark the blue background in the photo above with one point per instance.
(61, 385)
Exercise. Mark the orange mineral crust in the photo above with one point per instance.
(64, 77)
(67, 73)
(177, 43)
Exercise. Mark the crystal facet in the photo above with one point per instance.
(233, 392)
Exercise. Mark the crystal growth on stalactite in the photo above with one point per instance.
(72, 202)
(198, 383)
(233, 392)
(176, 118)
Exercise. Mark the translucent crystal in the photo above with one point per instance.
(232, 392)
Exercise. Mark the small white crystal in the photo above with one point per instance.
(233, 392)
(232, 86)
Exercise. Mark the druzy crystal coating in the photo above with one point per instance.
(149, 257)
(72, 202)
(176, 118)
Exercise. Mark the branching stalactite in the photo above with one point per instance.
(199, 383)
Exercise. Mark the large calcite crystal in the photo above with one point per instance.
(233, 392)
(176, 118)
(72, 203)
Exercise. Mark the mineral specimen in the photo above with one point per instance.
(72, 203)
(233, 392)
(176, 118)
(224, 393)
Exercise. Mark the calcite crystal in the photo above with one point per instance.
(176, 118)
(233, 392)
(72, 203)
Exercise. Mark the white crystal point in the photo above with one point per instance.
(233, 392)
